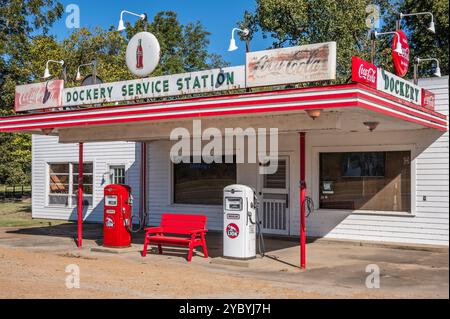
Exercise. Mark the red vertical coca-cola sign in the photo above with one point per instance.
(364, 72)
(44, 95)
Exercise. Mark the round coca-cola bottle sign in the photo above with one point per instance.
(401, 60)
(143, 53)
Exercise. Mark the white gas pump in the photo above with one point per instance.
(239, 222)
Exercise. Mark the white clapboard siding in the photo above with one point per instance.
(46, 149)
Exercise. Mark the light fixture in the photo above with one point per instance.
(371, 125)
(398, 47)
(437, 72)
(93, 63)
(121, 26)
(431, 26)
(47, 71)
(47, 131)
(233, 46)
(313, 113)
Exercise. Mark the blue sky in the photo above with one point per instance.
(218, 17)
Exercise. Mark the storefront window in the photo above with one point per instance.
(378, 181)
(63, 184)
(202, 183)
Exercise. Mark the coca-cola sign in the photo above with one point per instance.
(364, 72)
(428, 99)
(143, 53)
(44, 95)
(305, 63)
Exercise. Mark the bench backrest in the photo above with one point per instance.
(181, 223)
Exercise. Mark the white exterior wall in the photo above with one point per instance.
(46, 149)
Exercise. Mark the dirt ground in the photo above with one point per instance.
(33, 264)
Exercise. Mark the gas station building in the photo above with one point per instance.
(355, 161)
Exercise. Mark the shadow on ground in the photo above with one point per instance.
(94, 232)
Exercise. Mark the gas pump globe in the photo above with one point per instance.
(239, 222)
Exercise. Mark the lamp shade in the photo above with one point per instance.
(78, 78)
(431, 27)
(233, 46)
(438, 72)
(46, 73)
(314, 113)
(121, 26)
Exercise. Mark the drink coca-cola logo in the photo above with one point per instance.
(39, 95)
(364, 72)
(369, 74)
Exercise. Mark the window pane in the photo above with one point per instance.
(59, 168)
(87, 168)
(57, 188)
(277, 179)
(87, 188)
(58, 200)
(202, 183)
(87, 179)
(366, 181)
(117, 174)
(59, 179)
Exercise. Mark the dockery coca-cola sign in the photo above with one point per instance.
(44, 95)
(364, 72)
(384, 81)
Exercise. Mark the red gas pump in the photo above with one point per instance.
(117, 220)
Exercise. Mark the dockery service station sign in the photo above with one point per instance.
(281, 66)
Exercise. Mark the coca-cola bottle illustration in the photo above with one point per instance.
(139, 56)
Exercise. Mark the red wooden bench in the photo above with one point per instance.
(194, 226)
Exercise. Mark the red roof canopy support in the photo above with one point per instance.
(302, 201)
(80, 195)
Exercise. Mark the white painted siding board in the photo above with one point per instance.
(46, 149)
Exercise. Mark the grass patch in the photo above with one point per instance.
(18, 214)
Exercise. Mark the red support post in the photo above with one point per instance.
(143, 181)
(80, 195)
(302, 202)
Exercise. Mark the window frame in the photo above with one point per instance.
(111, 167)
(70, 194)
(315, 175)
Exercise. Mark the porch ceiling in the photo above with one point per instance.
(345, 108)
